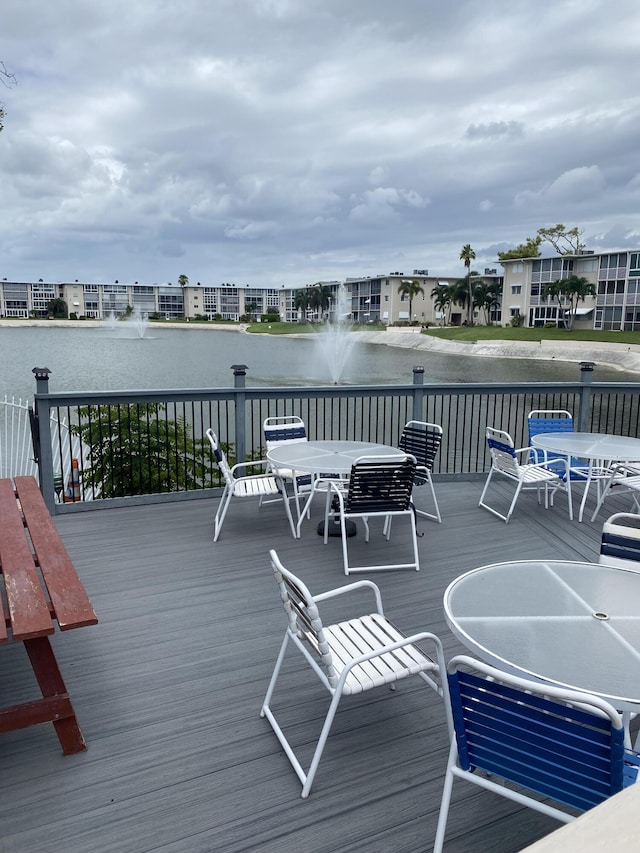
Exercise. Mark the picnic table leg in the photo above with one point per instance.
(55, 699)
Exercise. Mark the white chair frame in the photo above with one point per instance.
(527, 476)
(343, 491)
(296, 425)
(247, 486)
(422, 439)
(348, 658)
(518, 752)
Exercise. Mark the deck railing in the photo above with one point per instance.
(160, 434)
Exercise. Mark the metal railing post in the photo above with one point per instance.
(239, 378)
(418, 393)
(586, 377)
(43, 448)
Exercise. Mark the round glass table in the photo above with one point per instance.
(598, 449)
(572, 624)
(326, 459)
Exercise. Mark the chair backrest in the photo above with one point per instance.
(379, 484)
(422, 440)
(557, 743)
(620, 543)
(503, 451)
(282, 429)
(219, 454)
(303, 615)
(549, 420)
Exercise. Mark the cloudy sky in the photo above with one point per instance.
(270, 142)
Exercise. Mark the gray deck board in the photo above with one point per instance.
(168, 686)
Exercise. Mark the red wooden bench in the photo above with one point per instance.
(41, 587)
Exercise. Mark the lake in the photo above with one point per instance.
(106, 359)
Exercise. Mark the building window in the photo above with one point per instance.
(516, 289)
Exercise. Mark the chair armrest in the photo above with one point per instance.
(238, 465)
(351, 587)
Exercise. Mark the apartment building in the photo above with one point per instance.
(368, 299)
(615, 276)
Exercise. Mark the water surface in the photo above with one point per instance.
(101, 359)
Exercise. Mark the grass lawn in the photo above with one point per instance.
(467, 334)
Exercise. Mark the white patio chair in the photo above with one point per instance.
(534, 740)
(422, 440)
(623, 477)
(285, 429)
(350, 657)
(378, 486)
(620, 541)
(548, 477)
(248, 486)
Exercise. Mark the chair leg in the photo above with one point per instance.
(223, 506)
(287, 509)
(434, 515)
(308, 777)
(446, 801)
(515, 498)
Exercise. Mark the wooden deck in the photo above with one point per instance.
(168, 687)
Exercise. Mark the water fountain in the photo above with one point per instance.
(139, 322)
(335, 343)
(136, 321)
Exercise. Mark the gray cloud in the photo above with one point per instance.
(269, 141)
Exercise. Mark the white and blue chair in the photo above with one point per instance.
(349, 658)
(258, 485)
(543, 477)
(525, 740)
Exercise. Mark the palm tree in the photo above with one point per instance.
(301, 302)
(441, 295)
(183, 280)
(467, 255)
(568, 292)
(410, 288)
(486, 295)
(320, 296)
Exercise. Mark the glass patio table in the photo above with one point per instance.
(326, 458)
(599, 450)
(571, 624)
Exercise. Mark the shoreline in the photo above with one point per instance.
(617, 356)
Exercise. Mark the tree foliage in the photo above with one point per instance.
(568, 292)
(442, 295)
(410, 288)
(566, 241)
(320, 296)
(57, 308)
(529, 249)
(467, 255)
(136, 450)
(183, 280)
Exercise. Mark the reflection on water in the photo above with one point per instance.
(93, 360)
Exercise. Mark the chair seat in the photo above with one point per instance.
(255, 486)
(531, 474)
(364, 635)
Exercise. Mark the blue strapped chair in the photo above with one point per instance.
(620, 542)
(422, 440)
(548, 476)
(378, 486)
(540, 740)
(349, 658)
(554, 420)
(247, 486)
(285, 429)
